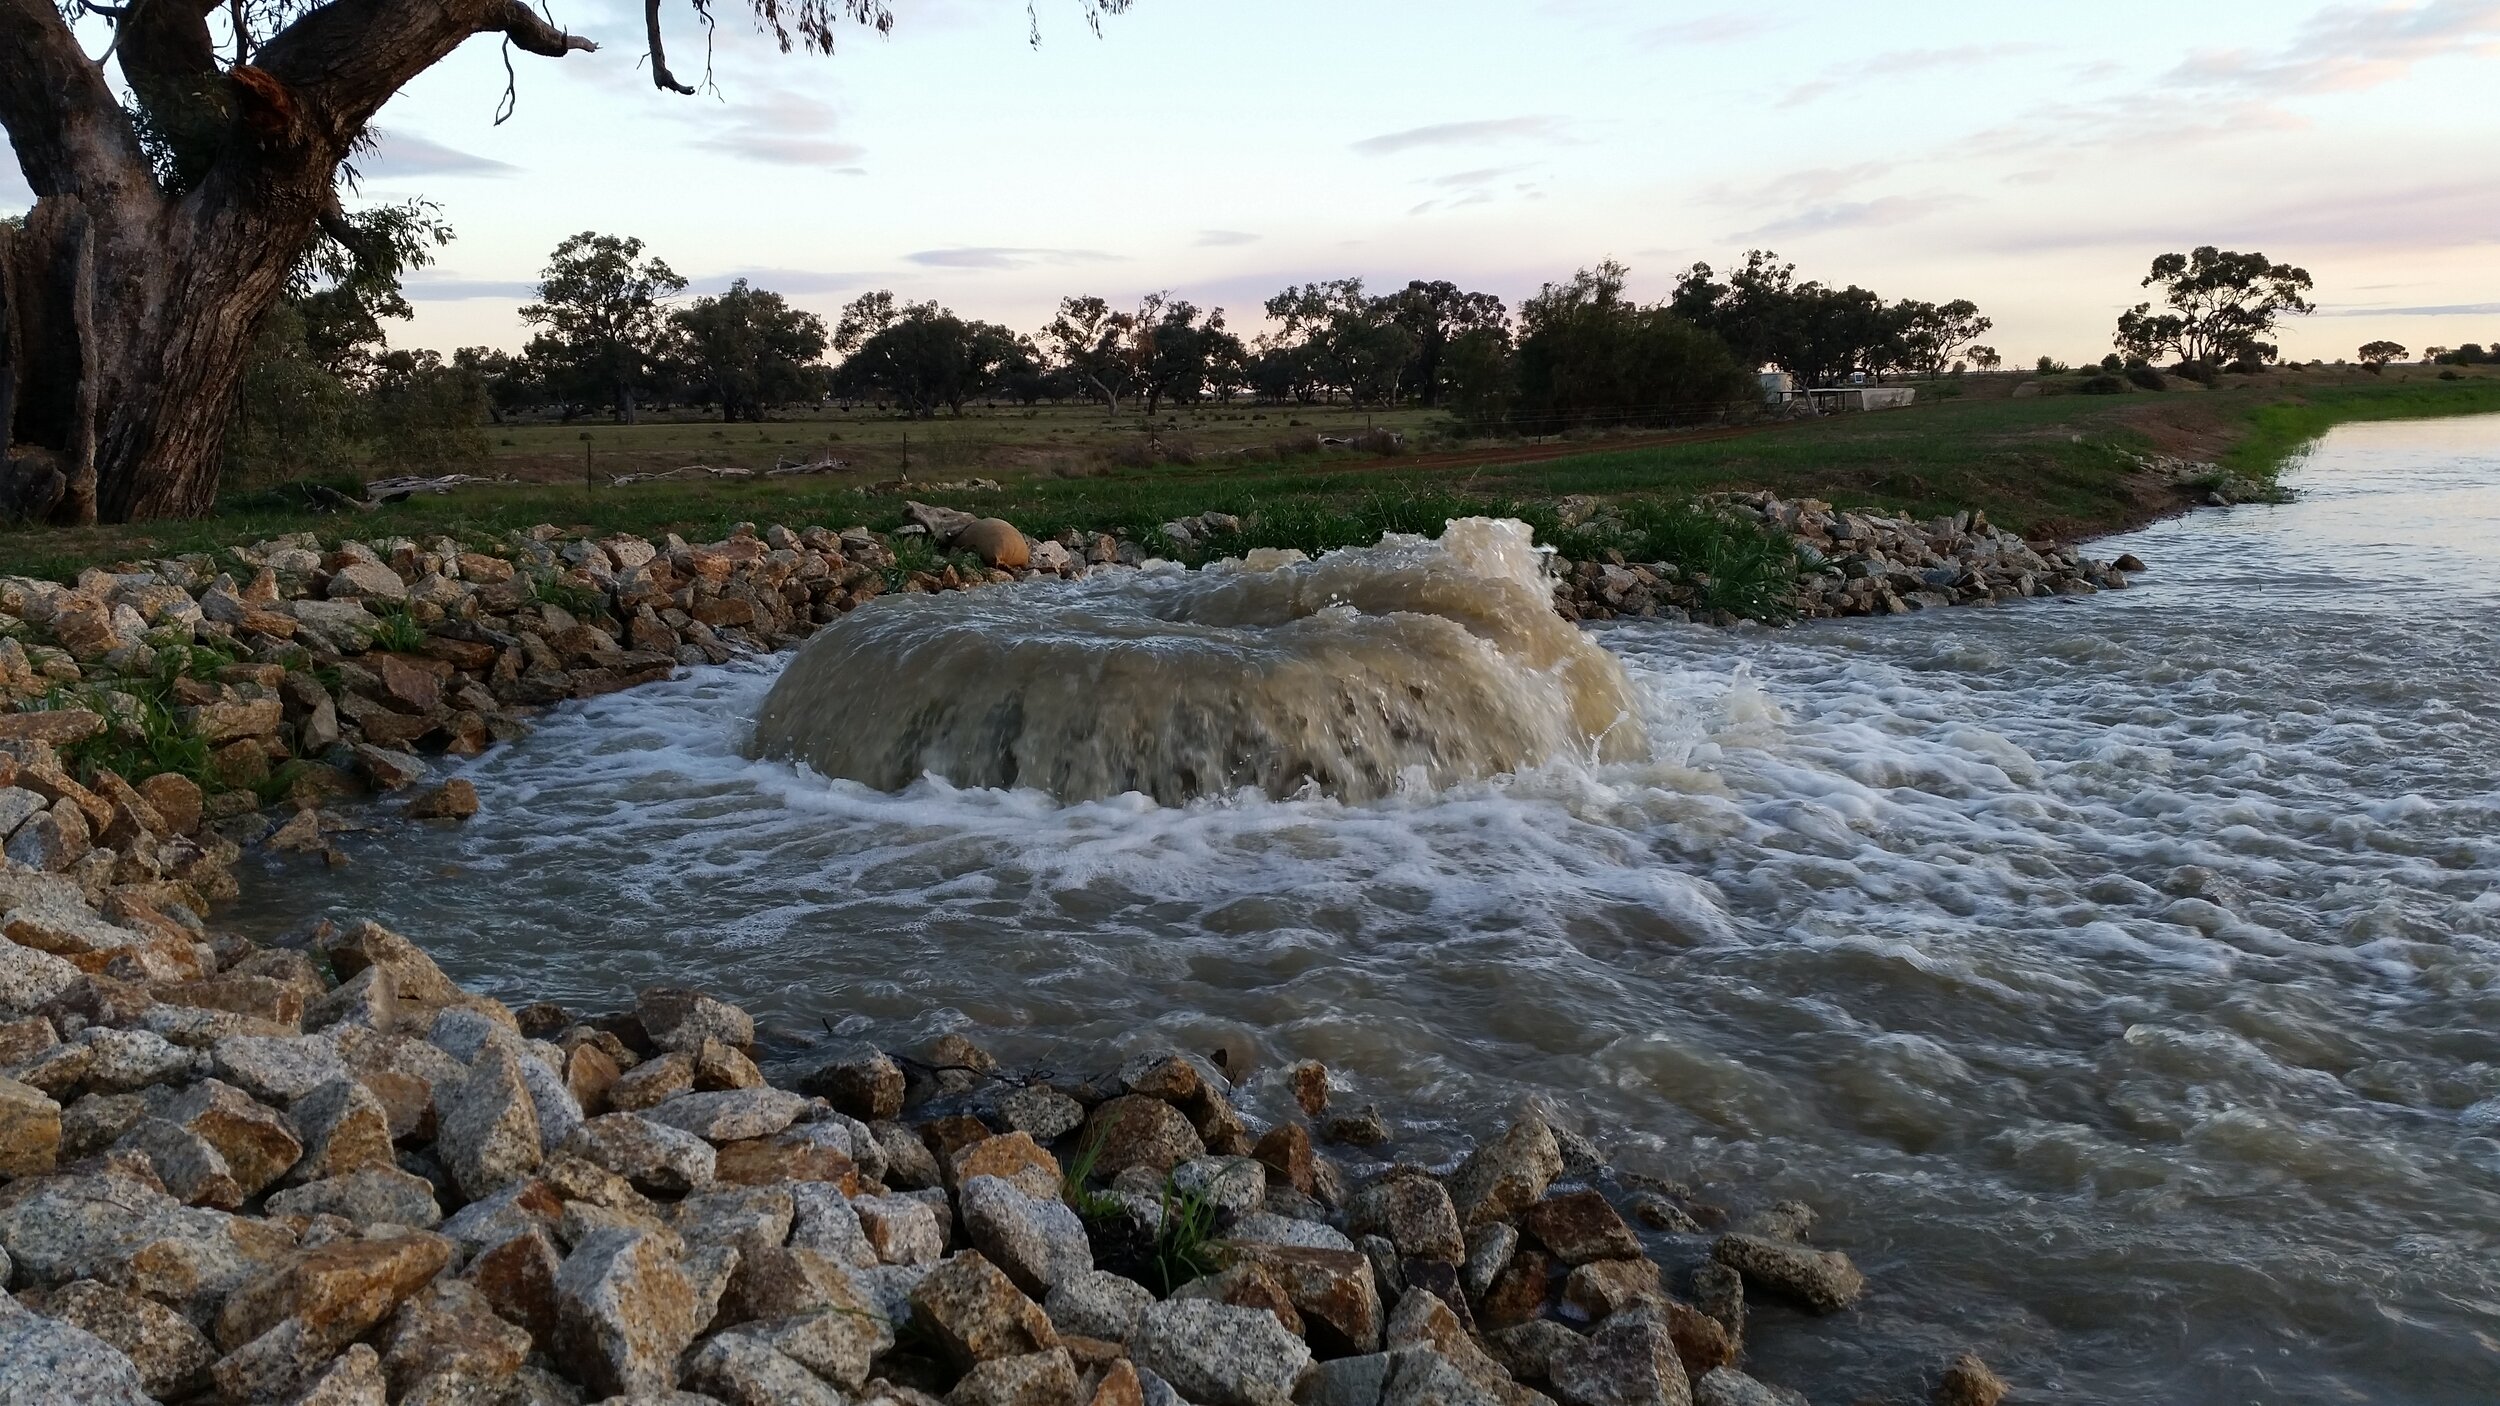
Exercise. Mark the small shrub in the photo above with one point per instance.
(2051, 366)
(2113, 364)
(2450, 376)
(1380, 442)
(2104, 384)
(2143, 374)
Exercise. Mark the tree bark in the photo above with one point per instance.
(132, 309)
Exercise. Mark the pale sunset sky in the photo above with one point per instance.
(2030, 157)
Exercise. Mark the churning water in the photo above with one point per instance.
(2120, 976)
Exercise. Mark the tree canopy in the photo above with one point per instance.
(2220, 307)
(602, 306)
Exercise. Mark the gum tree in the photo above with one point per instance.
(2219, 306)
(170, 213)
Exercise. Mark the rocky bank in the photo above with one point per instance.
(320, 1172)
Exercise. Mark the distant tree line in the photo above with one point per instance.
(613, 335)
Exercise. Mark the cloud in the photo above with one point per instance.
(424, 287)
(2440, 310)
(2348, 48)
(2343, 216)
(1723, 27)
(1812, 184)
(798, 281)
(1855, 214)
(1480, 176)
(1899, 63)
(407, 154)
(995, 258)
(783, 128)
(1225, 238)
(1500, 129)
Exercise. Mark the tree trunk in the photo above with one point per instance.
(135, 316)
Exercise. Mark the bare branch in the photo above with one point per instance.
(660, 76)
(532, 34)
(345, 59)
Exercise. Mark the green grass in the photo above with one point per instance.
(1186, 1246)
(2051, 465)
(2279, 434)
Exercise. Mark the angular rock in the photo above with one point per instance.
(446, 1343)
(823, 1220)
(488, 1126)
(123, 1060)
(1822, 1280)
(1218, 1355)
(30, 1130)
(277, 1069)
(172, 1356)
(653, 1082)
(653, 1157)
(1038, 1241)
(47, 1362)
(1096, 1304)
(866, 1084)
(31, 980)
(517, 1279)
(414, 975)
(750, 1218)
(190, 1169)
(1414, 1212)
(1135, 1130)
(455, 799)
(1234, 1186)
(1629, 1361)
(730, 1115)
(344, 1129)
(975, 1312)
(1578, 1227)
(1526, 1350)
(679, 1019)
(1507, 1175)
(368, 1196)
(797, 1154)
(837, 1344)
(625, 1311)
(1286, 1152)
(743, 1370)
(336, 1291)
(1035, 1379)
(1013, 1157)
(1602, 1288)
(1333, 1291)
(1725, 1386)
(901, 1229)
(1245, 1286)
(1041, 1112)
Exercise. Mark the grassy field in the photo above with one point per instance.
(2047, 465)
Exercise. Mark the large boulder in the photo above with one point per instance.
(996, 542)
(1038, 1241)
(48, 1362)
(1218, 1355)
(625, 1311)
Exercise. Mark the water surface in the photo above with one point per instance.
(2120, 976)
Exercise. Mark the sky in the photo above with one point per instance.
(2032, 158)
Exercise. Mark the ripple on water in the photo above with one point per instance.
(2122, 978)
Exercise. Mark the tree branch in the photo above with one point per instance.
(346, 58)
(660, 76)
(70, 135)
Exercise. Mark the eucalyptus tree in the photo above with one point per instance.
(172, 207)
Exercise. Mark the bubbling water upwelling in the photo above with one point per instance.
(2119, 977)
(1414, 663)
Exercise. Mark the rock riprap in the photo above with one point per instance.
(310, 1200)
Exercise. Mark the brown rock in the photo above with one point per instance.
(59, 727)
(414, 975)
(1579, 1226)
(1968, 1382)
(410, 685)
(455, 799)
(718, 1066)
(518, 1282)
(1011, 1157)
(1414, 1212)
(336, 1291)
(488, 1133)
(1034, 1379)
(446, 1336)
(625, 1311)
(343, 1128)
(1701, 1341)
(172, 1356)
(1119, 1386)
(30, 1130)
(1333, 1292)
(1286, 1150)
(1602, 1288)
(996, 542)
(1247, 1285)
(1138, 1131)
(189, 1168)
(1519, 1293)
(177, 798)
(1822, 1280)
(1628, 1361)
(866, 1084)
(651, 1083)
(976, 1313)
(260, 997)
(589, 1075)
(678, 1019)
(1309, 1081)
(764, 1161)
(1503, 1177)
